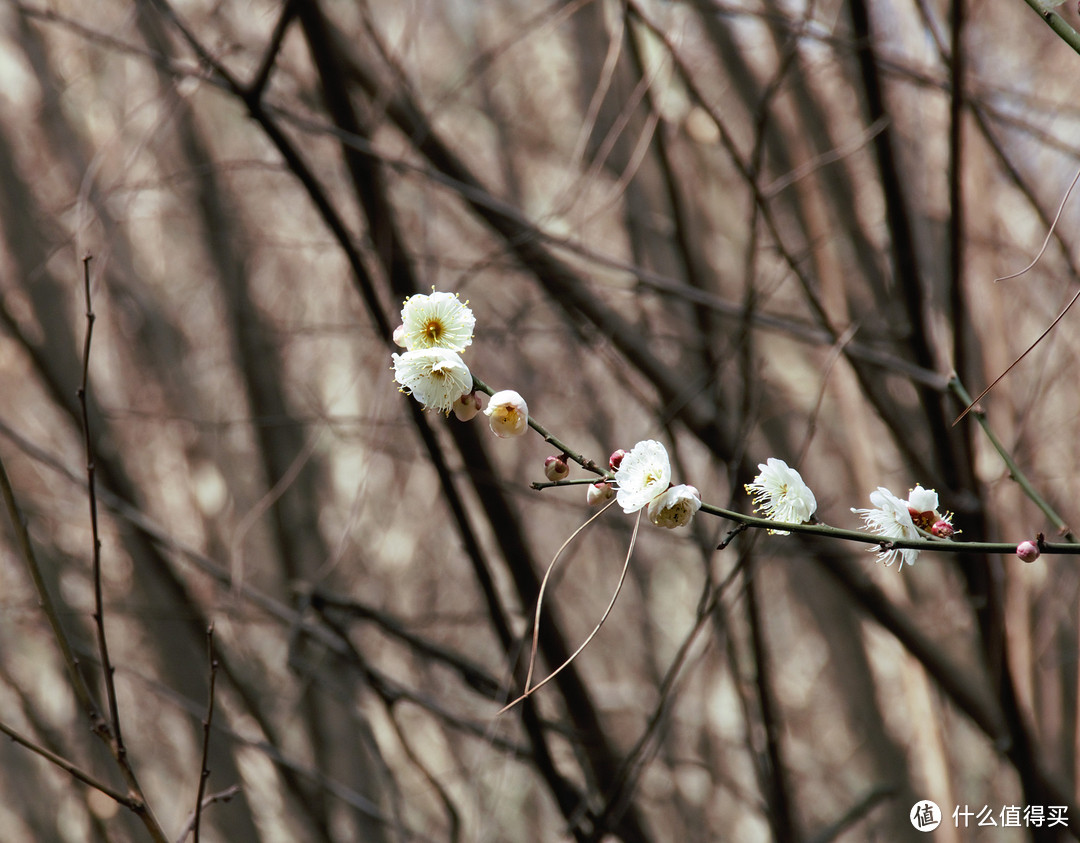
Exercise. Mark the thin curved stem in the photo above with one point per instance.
(611, 604)
(543, 589)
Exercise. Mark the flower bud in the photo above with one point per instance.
(555, 468)
(399, 336)
(942, 529)
(616, 459)
(1028, 551)
(599, 493)
(508, 414)
(467, 406)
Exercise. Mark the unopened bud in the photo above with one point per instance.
(555, 468)
(616, 459)
(942, 529)
(467, 406)
(1028, 551)
(399, 336)
(508, 414)
(599, 492)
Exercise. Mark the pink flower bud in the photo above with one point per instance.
(1028, 551)
(467, 406)
(616, 459)
(555, 468)
(399, 335)
(599, 493)
(942, 529)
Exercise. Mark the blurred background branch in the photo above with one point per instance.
(744, 229)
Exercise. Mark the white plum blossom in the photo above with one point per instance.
(890, 519)
(644, 474)
(923, 507)
(922, 501)
(674, 508)
(893, 518)
(439, 320)
(508, 414)
(780, 494)
(436, 377)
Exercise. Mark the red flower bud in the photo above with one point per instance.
(555, 468)
(616, 459)
(942, 529)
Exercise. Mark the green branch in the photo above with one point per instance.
(1057, 23)
(1014, 470)
(934, 544)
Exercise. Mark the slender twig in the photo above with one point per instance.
(99, 608)
(26, 548)
(114, 737)
(98, 724)
(563, 448)
(1014, 470)
(1049, 233)
(207, 720)
(130, 802)
(221, 796)
(540, 485)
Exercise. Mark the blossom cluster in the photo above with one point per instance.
(643, 477)
(780, 494)
(909, 520)
(436, 329)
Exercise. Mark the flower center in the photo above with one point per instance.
(433, 330)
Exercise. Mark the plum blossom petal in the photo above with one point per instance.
(436, 377)
(890, 518)
(439, 320)
(508, 414)
(644, 474)
(674, 508)
(781, 495)
(922, 500)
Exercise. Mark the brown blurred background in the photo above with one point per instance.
(745, 229)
